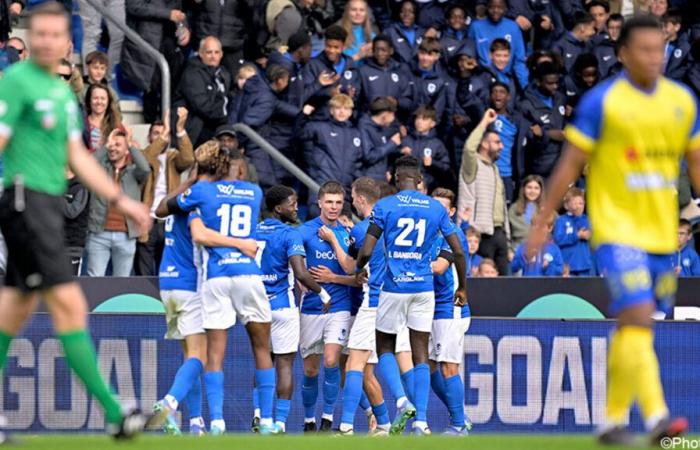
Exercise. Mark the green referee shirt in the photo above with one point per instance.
(38, 116)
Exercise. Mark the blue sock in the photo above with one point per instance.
(437, 382)
(265, 382)
(351, 395)
(309, 395)
(422, 388)
(194, 399)
(381, 414)
(184, 378)
(409, 384)
(282, 410)
(256, 399)
(331, 386)
(214, 382)
(364, 402)
(454, 391)
(390, 371)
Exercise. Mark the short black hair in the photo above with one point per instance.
(673, 15)
(585, 60)
(498, 83)
(277, 195)
(639, 22)
(582, 18)
(155, 123)
(594, 3)
(408, 164)
(685, 223)
(380, 105)
(546, 68)
(499, 44)
(382, 38)
(276, 72)
(615, 17)
(335, 33)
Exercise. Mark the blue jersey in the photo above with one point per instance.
(277, 243)
(411, 222)
(178, 269)
(232, 208)
(320, 253)
(445, 284)
(377, 264)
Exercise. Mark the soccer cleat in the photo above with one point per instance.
(340, 432)
(268, 430)
(402, 417)
(170, 424)
(255, 426)
(668, 428)
(617, 436)
(326, 426)
(309, 427)
(379, 432)
(421, 431)
(216, 430)
(135, 422)
(197, 429)
(467, 421)
(454, 431)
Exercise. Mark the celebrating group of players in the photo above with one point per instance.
(384, 288)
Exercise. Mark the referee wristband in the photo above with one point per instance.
(325, 296)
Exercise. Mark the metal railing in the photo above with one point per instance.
(146, 47)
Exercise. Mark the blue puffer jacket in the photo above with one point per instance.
(319, 95)
(404, 51)
(390, 81)
(575, 251)
(422, 145)
(430, 88)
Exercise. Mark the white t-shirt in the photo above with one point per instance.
(160, 190)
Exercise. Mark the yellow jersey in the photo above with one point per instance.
(636, 140)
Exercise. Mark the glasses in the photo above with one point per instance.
(65, 76)
(20, 50)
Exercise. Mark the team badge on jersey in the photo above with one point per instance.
(562, 110)
(356, 142)
(395, 78)
(348, 75)
(431, 87)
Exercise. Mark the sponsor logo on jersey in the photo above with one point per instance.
(327, 255)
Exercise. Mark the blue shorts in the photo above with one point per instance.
(635, 277)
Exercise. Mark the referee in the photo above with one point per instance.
(40, 133)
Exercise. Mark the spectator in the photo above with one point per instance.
(605, 46)
(686, 260)
(102, 116)
(544, 107)
(357, 23)
(521, 212)
(430, 84)
(495, 26)
(468, 108)
(18, 44)
(572, 233)
(111, 235)
(296, 57)
(659, 8)
(431, 15)
(97, 64)
(74, 79)
(541, 18)
(382, 76)
(405, 35)
(167, 166)
(600, 11)
(282, 19)
(577, 41)
(92, 30)
(227, 138)
(473, 259)
(204, 90)
(677, 53)
(513, 131)
(75, 212)
(422, 142)
(584, 76)
(11, 10)
(380, 138)
(481, 190)
(487, 269)
(317, 15)
(547, 262)
(332, 147)
(497, 70)
(692, 77)
(229, 22)
(163, 24)
(454, 34)
(331, 65)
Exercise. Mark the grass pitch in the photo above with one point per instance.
(300, 442)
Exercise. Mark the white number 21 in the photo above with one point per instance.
(409, 225)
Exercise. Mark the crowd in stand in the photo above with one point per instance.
(478, 90)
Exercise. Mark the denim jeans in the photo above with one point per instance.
(114, 245)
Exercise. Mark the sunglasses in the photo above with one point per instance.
(65, 76)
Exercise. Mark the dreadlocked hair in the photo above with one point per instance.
(205, 156)
(222, 164)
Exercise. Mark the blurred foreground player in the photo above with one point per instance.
(632, 131)
(40, 133)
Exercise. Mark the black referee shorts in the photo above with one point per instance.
(32, 224)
